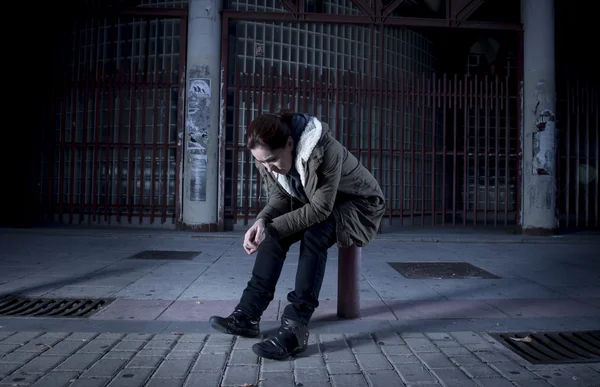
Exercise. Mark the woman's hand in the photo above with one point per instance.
(255, 236)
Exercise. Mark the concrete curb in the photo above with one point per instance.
(586, 239)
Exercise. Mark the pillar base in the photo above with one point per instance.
(212, 227)
(540, 231)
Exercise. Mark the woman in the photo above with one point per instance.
(320, 194)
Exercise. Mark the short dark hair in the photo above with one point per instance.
(270, 130)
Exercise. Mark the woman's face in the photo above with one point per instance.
(275, 160)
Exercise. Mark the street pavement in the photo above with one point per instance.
(421, 332)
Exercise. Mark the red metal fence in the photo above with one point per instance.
(443, 148)
(579, 155)
(111, 154)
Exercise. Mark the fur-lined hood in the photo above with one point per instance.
(308, 139)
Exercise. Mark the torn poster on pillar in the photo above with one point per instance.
(544, 140)
(198, 129)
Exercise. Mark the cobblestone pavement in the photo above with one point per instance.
(462, 359)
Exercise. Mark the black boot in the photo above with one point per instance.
(291, 339)
(238, 323)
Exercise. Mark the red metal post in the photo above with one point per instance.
(349, 262)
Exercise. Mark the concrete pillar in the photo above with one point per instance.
(538, 205)
(200, 157)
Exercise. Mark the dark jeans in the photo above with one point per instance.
(271, 255)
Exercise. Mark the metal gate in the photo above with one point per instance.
(579, 160)
(443, 146)
(111, 154)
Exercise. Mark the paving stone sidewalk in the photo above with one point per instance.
(462, 359)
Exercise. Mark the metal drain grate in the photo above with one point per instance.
(51, 307)
(440, 270)
(553, 347)
(165, 255)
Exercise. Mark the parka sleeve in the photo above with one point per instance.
(321, 203)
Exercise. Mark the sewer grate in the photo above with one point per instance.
(553, 347)
(440, 270)
(165, 255)
(51, 307)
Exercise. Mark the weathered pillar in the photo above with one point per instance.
(539, 138)
(200, 157)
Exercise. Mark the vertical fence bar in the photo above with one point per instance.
(155, 136)
(361, 96)
(587, 152)
(99, 86)
(246, 187)
(569, 92)
(466, 96)
(122, 83)
(497, 150)
(392, 95)
(402, 90)
(62, 159)
(369, 97)
(84, 145)
(260, 96)
(507, 150)
(108, 150)
(577, 141)
(597, 198)
(433, 105)
(303, 88)
(455, 99)
(180, 83)
(382, 101)
(235, 156)
(142, 148)
(486, 149)
(325, 98)
(446, 102)
(131, 156)
(476, 150)
(73, 149)
(349, 91)
(338, 102)
(317, 93)
(166, 86)
(422, 91)
(413, 190)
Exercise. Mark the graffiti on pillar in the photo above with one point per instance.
(198, 128)
(544, 135)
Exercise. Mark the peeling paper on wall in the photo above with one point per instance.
(544, 141)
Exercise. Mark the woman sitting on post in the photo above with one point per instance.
(320, 194)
